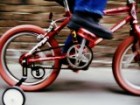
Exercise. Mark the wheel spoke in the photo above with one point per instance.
(19, 44)
(126, 65)
(128, 59)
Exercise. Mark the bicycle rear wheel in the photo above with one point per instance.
(15, 44)
(126, 65)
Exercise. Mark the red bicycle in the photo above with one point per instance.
(38, 55)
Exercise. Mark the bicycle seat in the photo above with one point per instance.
(89, 23)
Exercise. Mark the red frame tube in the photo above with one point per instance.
(93, 40)
(117, 10)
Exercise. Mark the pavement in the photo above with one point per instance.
(93, 87)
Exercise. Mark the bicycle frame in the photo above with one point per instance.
(29, 57)
(51, 32)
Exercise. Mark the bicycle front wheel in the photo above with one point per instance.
(14, 46)
(126, 65)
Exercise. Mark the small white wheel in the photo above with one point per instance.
(13, 96)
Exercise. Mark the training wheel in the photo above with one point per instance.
(13, 96)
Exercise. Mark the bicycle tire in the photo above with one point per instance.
(123, 62)
(9, 96)
(4, 71)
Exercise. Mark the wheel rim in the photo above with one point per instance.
(11, 55)
(130, 69)
(9, 97)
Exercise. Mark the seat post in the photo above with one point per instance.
(66, 5)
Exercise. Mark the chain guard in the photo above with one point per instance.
(77, 60)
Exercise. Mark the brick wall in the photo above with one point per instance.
(16, 12)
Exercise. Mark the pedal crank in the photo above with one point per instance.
(78, 58)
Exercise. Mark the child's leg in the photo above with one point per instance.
(68, 43)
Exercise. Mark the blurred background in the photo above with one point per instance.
(16, 12)
(89, 88)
